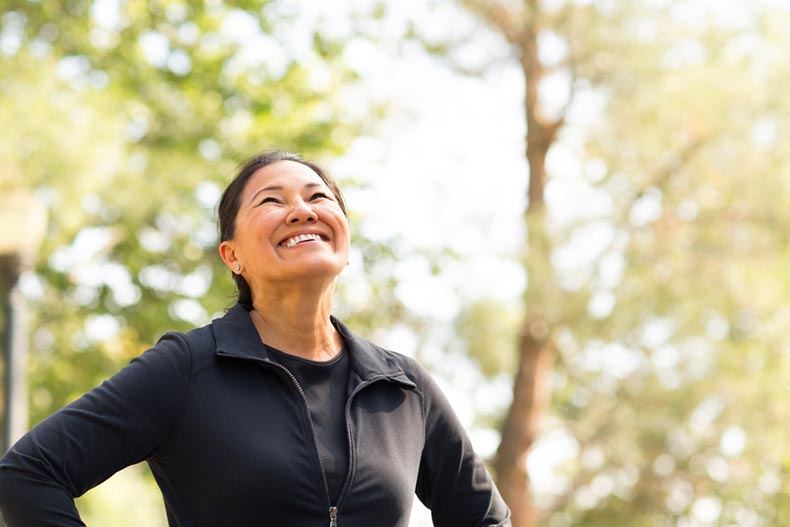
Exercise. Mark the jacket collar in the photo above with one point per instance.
(235, 334)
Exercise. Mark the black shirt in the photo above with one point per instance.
(325, 387)
(227, 445)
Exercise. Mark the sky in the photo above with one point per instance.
(445, 170)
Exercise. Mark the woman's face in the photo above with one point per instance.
(289, 227)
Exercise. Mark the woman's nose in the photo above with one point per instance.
(301, 212)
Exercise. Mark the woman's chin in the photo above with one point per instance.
(314, 268)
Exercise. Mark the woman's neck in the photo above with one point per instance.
(297, 322)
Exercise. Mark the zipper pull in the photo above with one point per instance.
(332, 516)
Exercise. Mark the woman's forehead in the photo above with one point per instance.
(283, 174)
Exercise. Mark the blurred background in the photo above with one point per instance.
(575, 213)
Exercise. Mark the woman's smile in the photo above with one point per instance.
(301, 239)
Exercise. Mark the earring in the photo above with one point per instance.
(237, 268)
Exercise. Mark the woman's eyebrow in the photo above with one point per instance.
(270, 187)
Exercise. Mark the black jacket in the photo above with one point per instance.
(227, 435)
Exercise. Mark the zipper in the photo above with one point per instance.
(332, 508)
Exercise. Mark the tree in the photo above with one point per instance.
(126, 119)
(655, 315)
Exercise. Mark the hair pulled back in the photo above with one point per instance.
(231, 202)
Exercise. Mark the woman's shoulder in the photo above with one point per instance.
(191, 349)
(384, 360)
(409, 364)
(196, 340)
(232, 328)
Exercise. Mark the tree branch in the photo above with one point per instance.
(505, 20)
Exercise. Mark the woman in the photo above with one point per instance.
(276, 413)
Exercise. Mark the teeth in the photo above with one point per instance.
(290, 242)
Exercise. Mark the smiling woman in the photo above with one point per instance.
(289, 226)
(274, 414)
(258, 193)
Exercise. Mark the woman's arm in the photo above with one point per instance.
(453, 481)
(119, 423)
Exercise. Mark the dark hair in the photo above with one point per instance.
(231, 201)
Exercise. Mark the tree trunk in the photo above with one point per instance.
(521, 25)
(531, 389)
(530, 398)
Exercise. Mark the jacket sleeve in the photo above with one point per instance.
(119, 423)
(453, 481)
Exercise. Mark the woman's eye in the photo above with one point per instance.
(319, 195)
(268, 200)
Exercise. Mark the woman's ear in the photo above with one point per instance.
(227, 252)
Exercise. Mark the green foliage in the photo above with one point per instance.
(489, 328)
(701, 278)
(126, 120)
(670, 329)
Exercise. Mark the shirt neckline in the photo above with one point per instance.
(320, 363)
